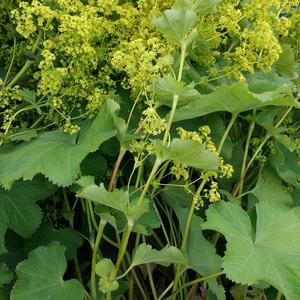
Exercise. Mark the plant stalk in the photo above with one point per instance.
(94, 259)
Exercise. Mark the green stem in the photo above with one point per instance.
(150, 277)
(250, 132)
(38, 121)
(123, 248)
(149, 181)
(12, 61)
(225, 135)
(170, 120)
(166, 291)
(141, 289)
(186, 234)
(25, 68)
(175, 97)
(28, 62)
(278, 296)
(94, 259)
(194, 282)
(187, 226)
(155, 168)
(76, 263)
(182, 58)
(264, 141)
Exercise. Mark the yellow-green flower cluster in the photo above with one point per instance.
(189, 135)
(89, 46)
(179, 170)
(211, 193)
(255, 142)
(205, 133)
(198, 201)
(247, 33)
(9, 99)
(225, 170)
(141, 148)
(151, 123)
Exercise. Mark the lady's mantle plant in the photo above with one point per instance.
(149, 149)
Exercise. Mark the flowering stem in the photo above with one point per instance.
(27, 64)
(123, 247)
(155, 168)
(264, 141)
(225, 135)
(175, 97)
(12, 61)
(251, 129)
(170, 120)
(94, 259)
(186, 234)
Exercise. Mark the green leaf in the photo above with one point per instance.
(107, 286)
(28, 96)
(6, 275)
(24, 135)
(18, 210)
(266, 118)
(175, 24)
(271, 253)
(167, 87)
(144, 254)
(104, 268)
(117, 199)
(85, 181)
(41, 275)
(188, 152)
(202, 7)
(286, 165)
(286, 62)
(198, 244)
(177, 195)
(119, 123)
(235, 98)
(55, 154)
(269, 188)
(113, 217)
(65, 236)
(94, 164)
(148, 220)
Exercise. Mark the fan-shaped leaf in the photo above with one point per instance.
(188, 152)
(55, 154)
(41, 275)
(235, 98)
(145, 254)
(175, 24)
(18, 210)
(270, 254)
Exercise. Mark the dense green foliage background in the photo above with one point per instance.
(149, 149)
